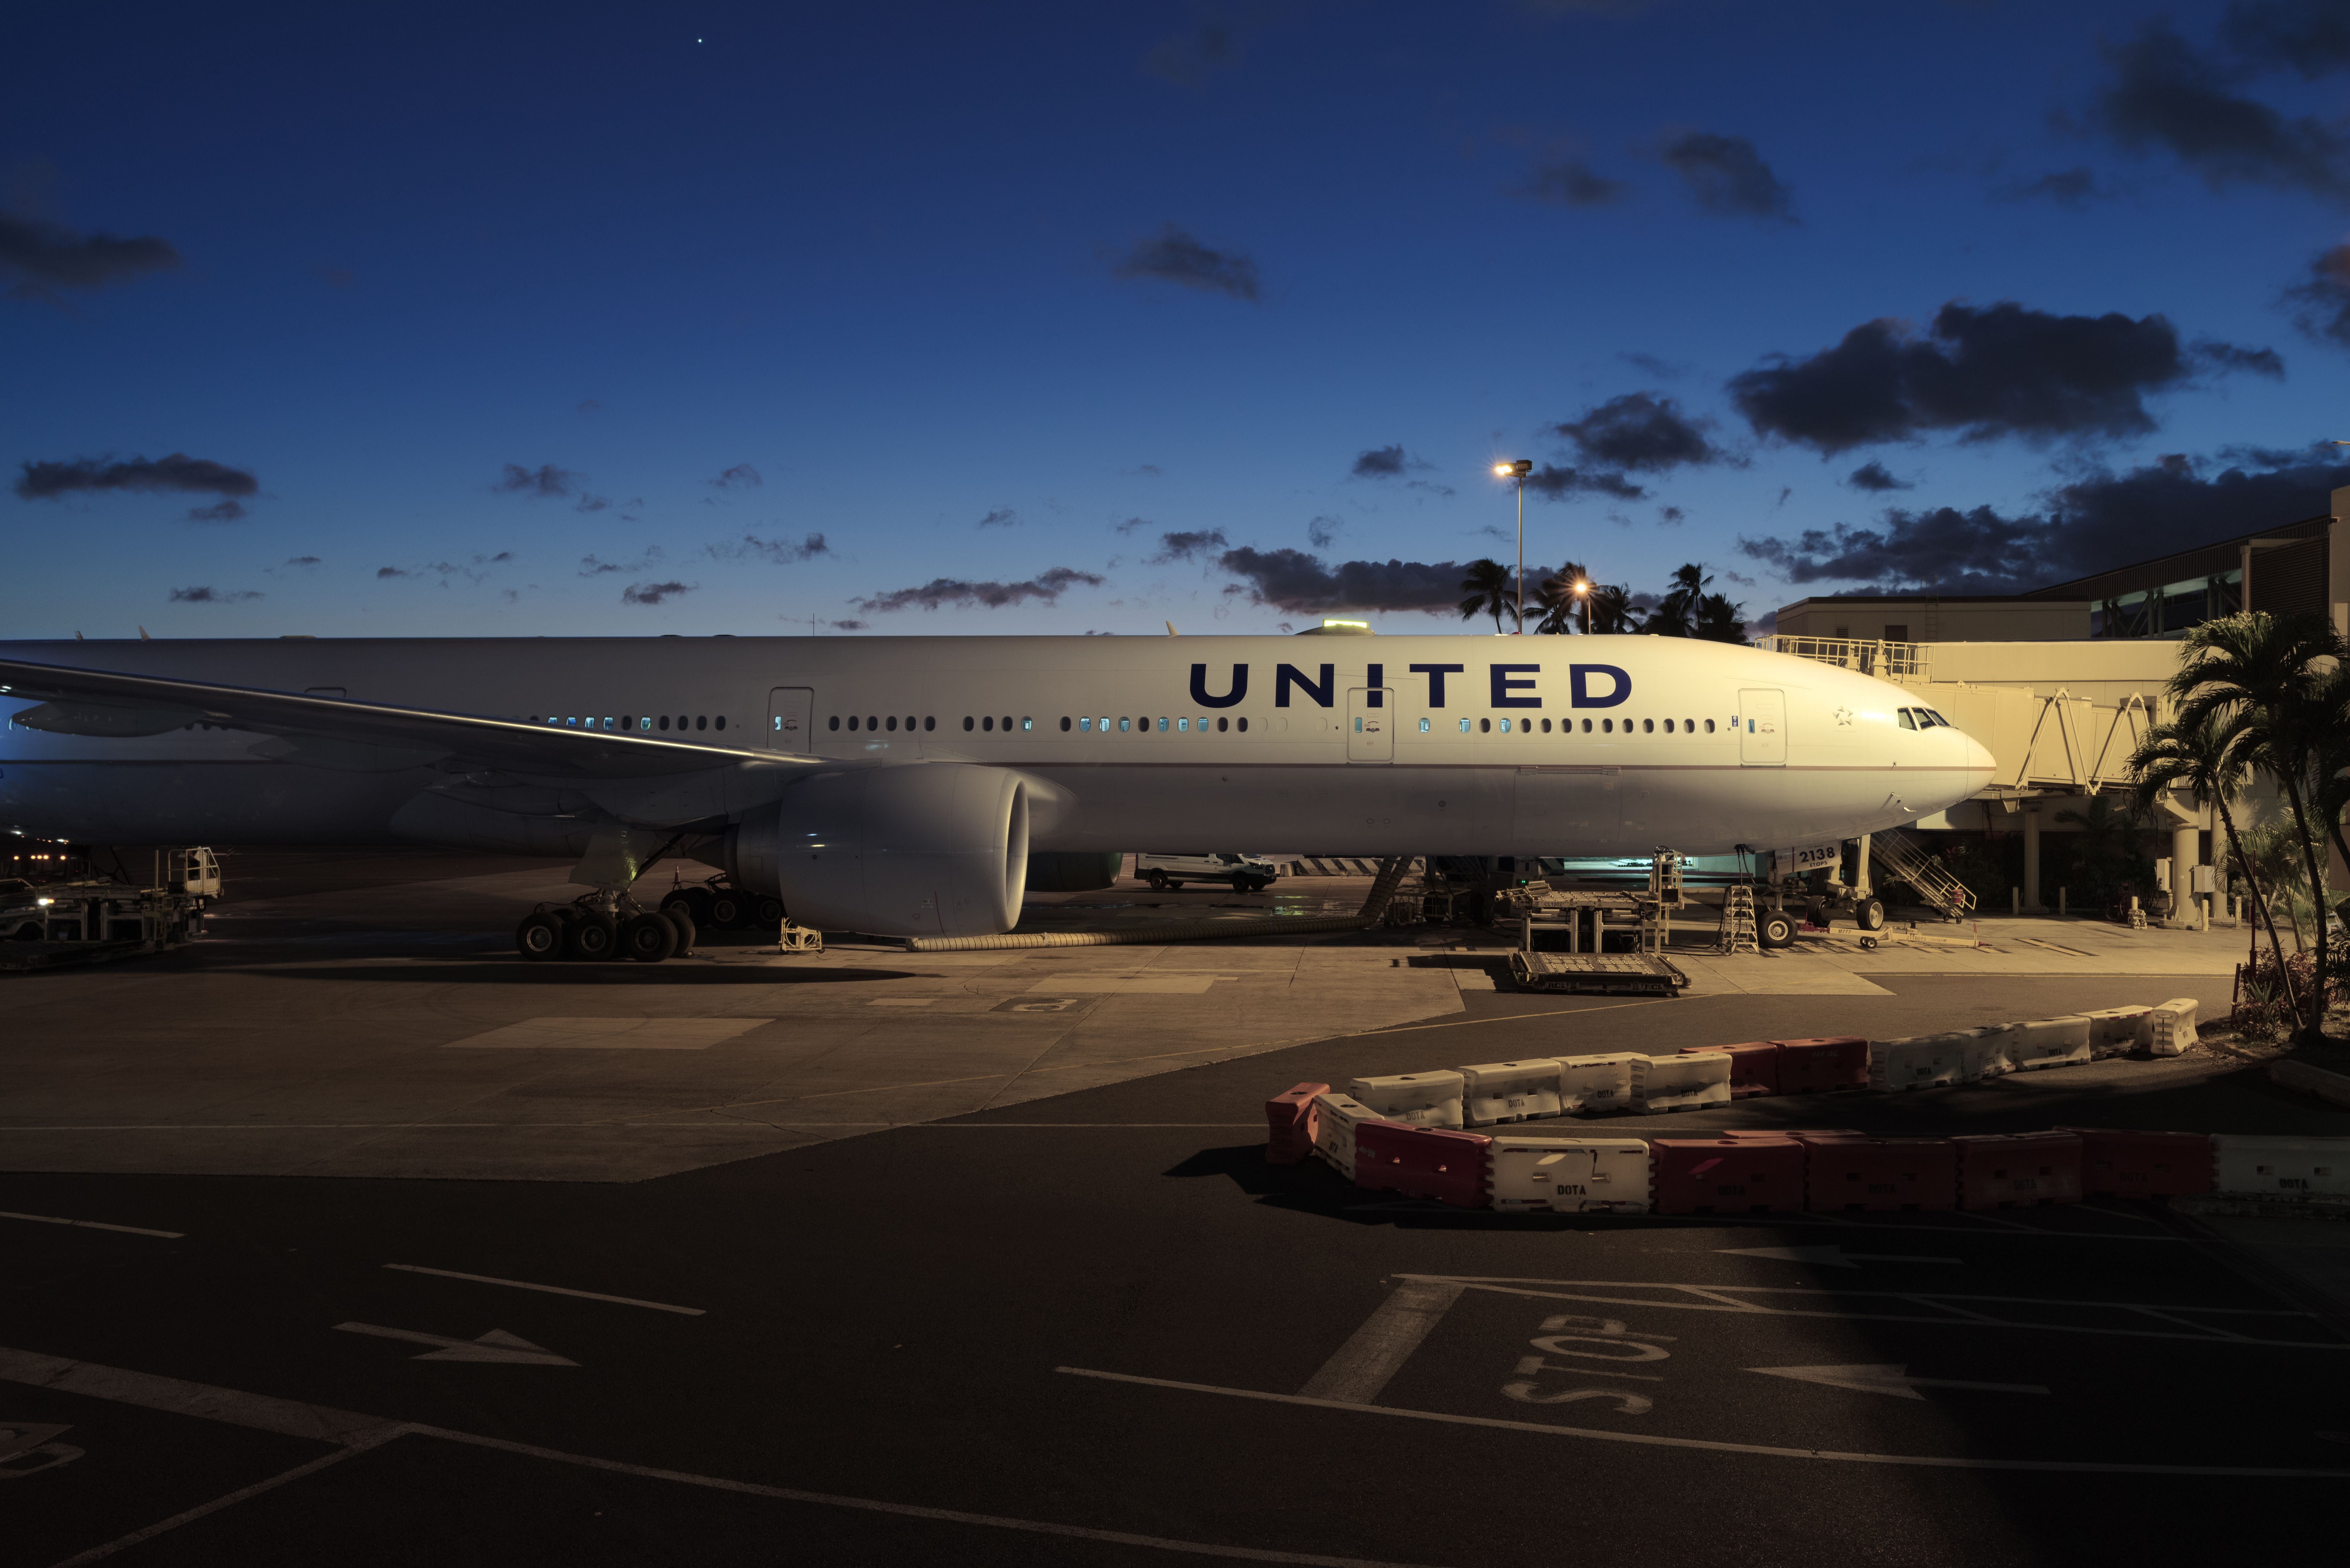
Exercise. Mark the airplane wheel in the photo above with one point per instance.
(1869, 915)
(681, 918)
(771, 912)
(729, 910)
(649, 938)
(1775, 929)
(594, 937)
(539, 937)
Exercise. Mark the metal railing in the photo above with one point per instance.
(1869, 656)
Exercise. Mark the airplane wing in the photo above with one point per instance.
(337, 733)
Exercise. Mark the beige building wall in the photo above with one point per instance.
(1936, 620)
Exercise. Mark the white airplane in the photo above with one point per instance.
(900, 786)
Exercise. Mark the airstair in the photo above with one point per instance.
(1895, 856)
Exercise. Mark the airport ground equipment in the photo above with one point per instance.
(1906, 861)
(1563, 937)
(1736, 921)
(50, 924)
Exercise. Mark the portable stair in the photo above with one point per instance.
(1738, 921)
(1898, 857)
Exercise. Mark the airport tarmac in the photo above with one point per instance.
(1027, 1319)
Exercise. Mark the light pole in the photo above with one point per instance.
(1583, 592)
(1518, 471)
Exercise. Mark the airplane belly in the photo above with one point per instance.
(199, 803)
(1343, 810)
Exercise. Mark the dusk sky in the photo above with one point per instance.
(616, 320)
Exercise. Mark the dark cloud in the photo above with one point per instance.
(2165, 94)
(1048, 585)
(1663, 369)
(1186, 546)
(777, 552)
(1187, 59)
(1381, 462)
(1322, 531)
(2002, 370)
(1669, 515)
(473, 571)
(545, 482)
(1001, 517)
(1728, 177)
(589, 566)
(49, 481)
(2224, 356)
(849, 625)
(1875, 477)
(1131, 523)
(1552, 482)
(39, 257)
(742, 476)
(2100, 521)
(303, 561)
(219, 511)
(654, 593)
(2321, 303)
(1572, 183)
(212, 596)
(383, 572)
(2073, 189)
(2311, 37)
(1300, 584)
(1175, 256)
(1642, 432)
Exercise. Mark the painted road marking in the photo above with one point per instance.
(94, 1225)
(550, 1290)
(17, 1437)
(1886, 1379)
(610, 1034)
(1830, 1257)
(495, 1345)
(1961, 1312)
(1376, 1352)
(356, 1433)
(1650, 1440)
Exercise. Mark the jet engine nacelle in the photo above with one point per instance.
(924, 849)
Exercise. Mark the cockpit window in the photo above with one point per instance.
(1940, 720)
(1907, 721)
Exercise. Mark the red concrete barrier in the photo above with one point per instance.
(2011, 1171)
(1754, 1066)
(1748, 1175)
(1879, 1175)
(1823, 1066)
(1289, 1119)
(1451, 1166)
(2143, 1164)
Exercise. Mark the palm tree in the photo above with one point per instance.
(1491, 590)
(1559, 601)
(2208, 760)
(1676, 614)
(2261, 670)
(1611, 609)
(2330, 727)
(1719, 620)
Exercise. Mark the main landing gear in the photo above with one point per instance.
(605, 925)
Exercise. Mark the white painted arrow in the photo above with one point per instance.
(1893, 1380)
(1829, 1257)
(495, 1345)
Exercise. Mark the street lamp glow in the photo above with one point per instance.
(1518, 471)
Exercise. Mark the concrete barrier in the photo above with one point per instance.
(2113, 1031)
(1661, 1084)
(1725, 1175)
(1754, 1066)
(2063, 1042)
(1336, 1119)
(2258, 1165)
(1986, 1053)
(2018, 1170)
(1601, 1083)
(1423, 1162)
(1416, 1099)
(2330, 1087)
(2171, 1028)
(1919, 1061)
(1825, 1064)
(1289, 1119)
(1569, 1175)
(2120, 1163)
(1877, 1174)
(1498, 1091)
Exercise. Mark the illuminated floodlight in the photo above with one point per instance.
(1327, 620)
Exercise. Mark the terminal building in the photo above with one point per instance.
(2061, 683)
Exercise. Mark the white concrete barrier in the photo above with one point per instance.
(2113, 1031)
(1986, 1053)
(1416, 1099)
(1661, 1084)
(1570, 1175)
(1510, 1091)
(1602, 1082)
(2063, 1042)
(2294, 1167)
(1921, 1061)
(1338, 1117)
(2171, 1028)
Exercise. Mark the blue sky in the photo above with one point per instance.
(462, 317)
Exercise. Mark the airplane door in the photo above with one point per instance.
(1763, 727)
(788, 708)
(1371, 724)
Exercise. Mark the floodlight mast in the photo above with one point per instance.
(1518, 472)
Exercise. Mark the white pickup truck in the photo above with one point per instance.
(1246, 873)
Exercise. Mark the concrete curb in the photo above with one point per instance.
(2330, 1087)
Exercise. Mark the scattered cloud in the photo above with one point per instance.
(2072, 188)
(1001, 517)
(851, 625)
(382, 573)
(1663, 369)
(742, 476)
(1186, 546)
(541, 483)
(1322, 531)
(1552, 482)
(1131, 523)
(302, 561)
(1672, 515)
(212, 596)
(751, 547)
(2321, 302)
(475, 570)
(654, 593)
(2311, 37)
(1728, 177)
(1381, 462)
(39, 257)
(2225, 356)
(50, 481)
(1300, 584)
(1149, 470)
(1569, 181)
(2173, 504)
(1188, 58)
(2166, 94)
(589, 566)
(2001, 371)
(219, 511)
(1642, 432)
(1048, 585)
(589, 405)
(1876, 478)
(1175, 256)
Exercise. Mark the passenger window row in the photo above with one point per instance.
(871, 721)
(1566, 726)
(1184, 725)
(637, 724)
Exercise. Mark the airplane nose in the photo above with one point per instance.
(1979, 757)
